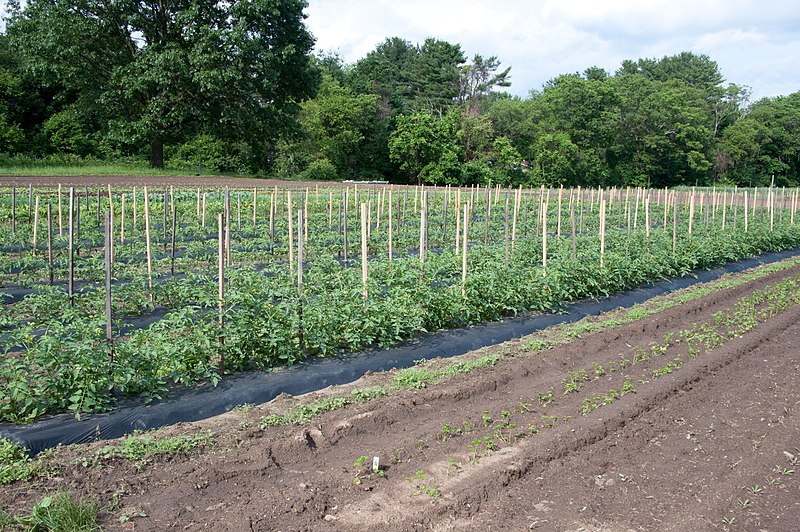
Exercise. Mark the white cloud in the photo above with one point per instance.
(755, 43)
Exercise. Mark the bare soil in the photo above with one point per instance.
(714, 445)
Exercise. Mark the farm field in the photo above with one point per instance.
(176, 285)
(676, 414)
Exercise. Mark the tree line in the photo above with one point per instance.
(235, 88)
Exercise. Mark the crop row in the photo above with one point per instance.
(58, 355)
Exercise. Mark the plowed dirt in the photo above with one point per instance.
(714, 444)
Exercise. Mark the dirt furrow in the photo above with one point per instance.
(434, 477)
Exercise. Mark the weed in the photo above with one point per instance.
(243, 408)
(62, 512)
(302, 414)
(130, 513)
(363, 395)
(14, 463)
(141, 448)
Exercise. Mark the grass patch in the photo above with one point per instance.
(61, 513)
(363, 395)
(421, 376)
(14, 463)
(142, 448)
(566, 333)
(56, 166)
(302, 414)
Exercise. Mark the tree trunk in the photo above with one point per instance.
(157, 152)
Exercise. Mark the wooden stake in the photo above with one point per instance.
(300, 280)
(71, 251)
(464, 251)
(221, 289)
(572, 222)
(50, 241)
(111, 231)
(544, 241)
(674, 222)
(344, 225)
(109, 241)
(458, 221)
(255, 205)
(148, 246)
(134, 210)
(602, 233)
(745, 211)
(390, 228)
(203, 211)
(517, 198)
(174, 227)
(364, 250)
(35, 222)
(506, 233)
(122, 221)
(289, 217)
(558, 214)
(227, 227)
(60, 222)
(422, 227)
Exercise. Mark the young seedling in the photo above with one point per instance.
(421, 487)
(453, 468)
(546, 398)
(746, 503)
(399, 455)
(755, 489)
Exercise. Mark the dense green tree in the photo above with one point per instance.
(506, 162)
(435, 74)
(11, 134)
(386, 71)
(424, 145)
(662, 133)
(582, 111)
(698, 71)
(764, 143)
(510, 116)
(335, 125)
(164, 71)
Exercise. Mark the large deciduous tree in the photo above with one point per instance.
(159, 71)
(425, 146)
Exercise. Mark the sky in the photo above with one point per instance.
(755, 42)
